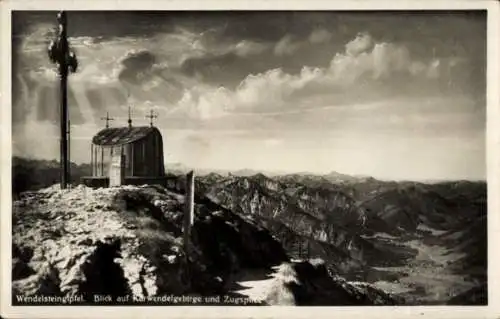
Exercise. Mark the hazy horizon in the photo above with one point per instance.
(172, 167)
(395, 96)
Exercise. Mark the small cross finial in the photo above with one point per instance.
(107, 118)
(151, 116)
(129, 117)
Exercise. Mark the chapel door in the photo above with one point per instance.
(117, 170)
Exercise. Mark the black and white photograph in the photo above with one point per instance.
(190, 157)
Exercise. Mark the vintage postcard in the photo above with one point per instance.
(250, 159)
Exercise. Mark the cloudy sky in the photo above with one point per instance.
(395, 95)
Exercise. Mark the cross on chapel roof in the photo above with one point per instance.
(107, 118)
(151, 117)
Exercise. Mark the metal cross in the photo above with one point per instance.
(107, 118)
(151, 117)
(60, 54)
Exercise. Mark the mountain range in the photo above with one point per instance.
(365, 228)
(424, 243)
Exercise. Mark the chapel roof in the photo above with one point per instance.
(122, 135)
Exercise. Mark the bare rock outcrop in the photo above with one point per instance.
(127, 241)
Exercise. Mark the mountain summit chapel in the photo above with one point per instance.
(126, 155)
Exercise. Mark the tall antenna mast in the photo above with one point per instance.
(60, 53)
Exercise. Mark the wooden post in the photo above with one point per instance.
(96, 148)
(132, 154)
(188, 212)
(92, 159)
(102, 160)
(68, 179)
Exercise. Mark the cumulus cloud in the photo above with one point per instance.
(286, 46)
(389, 58)
(362, 43)
(264, 92)
(364, 58)
(136, 65)
(209, 76)
(362, 64)
(144, 75)
(245, 48)
(205, 103)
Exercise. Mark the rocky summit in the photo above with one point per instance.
(127, 241)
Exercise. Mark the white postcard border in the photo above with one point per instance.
(493, 166)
